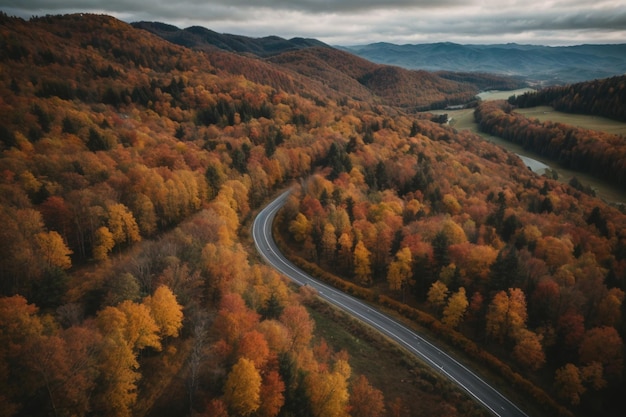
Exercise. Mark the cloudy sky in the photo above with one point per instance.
(352, 22)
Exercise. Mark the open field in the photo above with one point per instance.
(502, 95)
(403, 379)
(602, 124)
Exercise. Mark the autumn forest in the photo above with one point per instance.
(131, 168)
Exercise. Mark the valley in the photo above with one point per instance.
(463, 119)
(134, 158)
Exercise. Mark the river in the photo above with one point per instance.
(463, 119)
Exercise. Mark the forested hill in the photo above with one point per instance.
(605, 97)
(334, 71)
(199, 37)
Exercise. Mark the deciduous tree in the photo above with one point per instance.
(506, 314)
(242, 390)
(400, 270)
(300, 227)
(528, 351)
(53, 251)
(272, 395)
(455, 309)
(362, 264)
(166, 312)
(568, 383)
(329, 242)
(328, 392)
(140, 330)
(603, 345)
(234, 318)
(299, 324)
(103, 243)
(122, 224)
(253, 346)
(365, 400)
(437, 294)
(118, 376)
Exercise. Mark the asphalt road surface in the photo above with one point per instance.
(434, 357)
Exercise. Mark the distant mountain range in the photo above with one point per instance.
(542, 64)
(197, 37)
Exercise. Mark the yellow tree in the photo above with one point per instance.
(329, 242)
(506, 315)
(400, 270)
(242, 391)
(455, 309)
(496, 316)
(122, 224)
(145, 213)
(362, 264)
(517, 313)
(53, 251)
(453, 232)
(345, 252)
(300, 227)
(103, 243)
(437, 294)
(117, 365)
(328, 392)
(140, 331)
(166, 312)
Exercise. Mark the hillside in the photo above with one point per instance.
(198, 37)
(539, 64)
(338, 73)
(130, 168)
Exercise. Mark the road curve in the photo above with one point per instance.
(436, 358)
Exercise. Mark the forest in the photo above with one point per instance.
(604, 97)
(598, 153)
(130, 168)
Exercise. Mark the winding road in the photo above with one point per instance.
(436, 358)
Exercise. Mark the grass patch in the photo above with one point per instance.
(601, 124)
(391, 369)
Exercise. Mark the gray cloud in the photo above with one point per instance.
(363, 21)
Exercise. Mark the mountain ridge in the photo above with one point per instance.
(544, 65)
(334, 70)
(198, 36)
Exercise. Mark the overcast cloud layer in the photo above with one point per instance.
(354, 22)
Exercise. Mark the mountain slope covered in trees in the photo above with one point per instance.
(129, 167)
(344, 73)
(198, 37)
